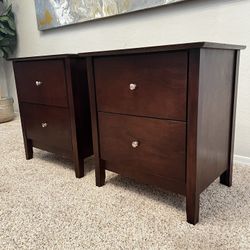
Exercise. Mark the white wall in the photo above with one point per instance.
(226, 21)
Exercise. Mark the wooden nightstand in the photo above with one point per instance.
(165, 115)
(54, 106)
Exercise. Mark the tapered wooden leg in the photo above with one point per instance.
(226, 178)
(100, 173)
(192, 208)
(28, 149)
(99, 164)
(79, 167)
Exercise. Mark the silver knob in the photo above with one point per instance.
(135, 144)
(44, 125)
(38, 83)
(132, 86)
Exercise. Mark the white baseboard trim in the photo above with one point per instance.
(242, 159)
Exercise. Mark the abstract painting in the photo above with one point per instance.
(56, 13)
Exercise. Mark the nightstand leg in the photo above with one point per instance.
(192, 208)
(28, 149)
(226, 178)
(100, 173)
(79, 167)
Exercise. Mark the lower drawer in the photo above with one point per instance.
(47, 126)
(132, 145)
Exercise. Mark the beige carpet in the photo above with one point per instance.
(43, 206)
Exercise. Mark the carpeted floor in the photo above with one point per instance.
(43, 206)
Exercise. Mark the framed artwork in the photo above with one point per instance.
(57, 13)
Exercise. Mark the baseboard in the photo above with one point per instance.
(242, 159)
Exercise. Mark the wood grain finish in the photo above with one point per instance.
(184, 156)
(226, 177)
(80, 97)
(78, 161)
(99, 164)
(161, 150)
(61, 101)
(51, 75)
(160, 82)
(192, 193)
(47, 124)
(181, 113)
(162, 48)
(210, 118)
(216, 89)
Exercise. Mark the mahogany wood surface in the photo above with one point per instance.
(55, 121)
(61, 101)
(205, 103)
(182, 113)
(161, 150)
(216, 95)
(51, 74)
(163, 48)
(192, 194)
(147, 49)
(226, 177)
(99, 163)
(80, 96)
(78, 161)
(160, 79)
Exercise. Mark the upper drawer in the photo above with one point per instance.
(152, 85)
(41, 82)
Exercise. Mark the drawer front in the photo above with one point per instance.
(136, 145)
(41, 82)
(152, 85)
(47, 125)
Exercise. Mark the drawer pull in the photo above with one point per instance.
(38, 83)
(44, 125)
(132, 86)
(135, 144)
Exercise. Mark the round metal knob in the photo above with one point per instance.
(44, 125)
(135, 144)
(38, 83)
(132, 86)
